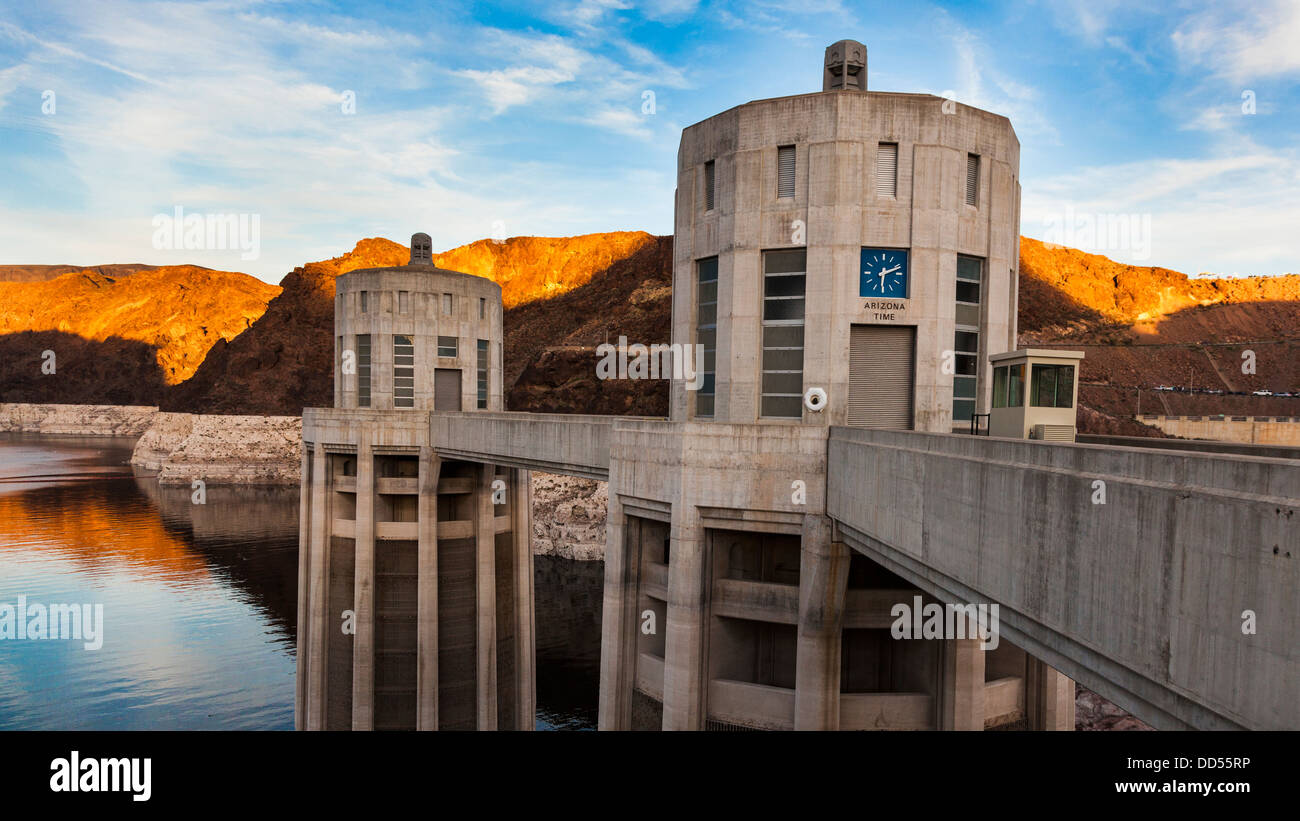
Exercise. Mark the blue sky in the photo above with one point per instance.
(482, 119)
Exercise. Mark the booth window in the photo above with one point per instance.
(1008, 386)
(1053, 386)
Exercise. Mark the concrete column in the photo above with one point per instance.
(1049, 697)
(363, 643)
(617, 621)
(823, 585)
(486, 586)
(426, 675)
(318, 589)
(684, 650)
(304, 585)
(962, 686)
(521, 527)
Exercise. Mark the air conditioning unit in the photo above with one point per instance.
(1053, 433)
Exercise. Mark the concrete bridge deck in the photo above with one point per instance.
(1140, 598)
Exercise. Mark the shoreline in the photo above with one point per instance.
(251, 451)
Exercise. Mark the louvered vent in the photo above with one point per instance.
(785, 171)
(1054, 433)
(972, 179)
(708, 186)
(887, 170)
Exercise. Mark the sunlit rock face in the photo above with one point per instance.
(119, 337)
(202, 341)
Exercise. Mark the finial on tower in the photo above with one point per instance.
(846, 67)
(421, 249)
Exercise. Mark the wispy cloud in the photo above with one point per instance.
(1202, 210)
(467, 114)
(1245, 41)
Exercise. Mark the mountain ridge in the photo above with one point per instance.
(1139, 327)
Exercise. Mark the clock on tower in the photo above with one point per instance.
(883, 273)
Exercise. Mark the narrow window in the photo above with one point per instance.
(966, 341)
(708, 186)
(403, 302)
(363, 369)
(482, 308)
(970, 273)
(482, 373)
(1000, 387)
(365, 302)
(403, 372)
(706, 331)
(887, 170)
(972, 179)
(783, 326)
(785, 171)
(447, 346)
(446, 304)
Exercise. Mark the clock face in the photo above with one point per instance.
(883, 273)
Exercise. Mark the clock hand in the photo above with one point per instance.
(890, 270)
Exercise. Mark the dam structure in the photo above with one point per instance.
(844, 290)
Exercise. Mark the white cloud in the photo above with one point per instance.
(1245, 42)
(1238, 211)
(10, 79)
(587, 13)
(983, 86)
(509, 87)
(622, 121)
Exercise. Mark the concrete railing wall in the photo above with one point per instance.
(557, 443)
(1140, 597)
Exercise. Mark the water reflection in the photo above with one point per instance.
(199, 600)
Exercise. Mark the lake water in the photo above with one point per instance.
(199, 601)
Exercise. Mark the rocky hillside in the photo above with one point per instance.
(132, 336)
(41, 273)
(285, 361)
(529, 269)
(118, 333)
(564, 291)
(550, 345)
(1142, 328)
